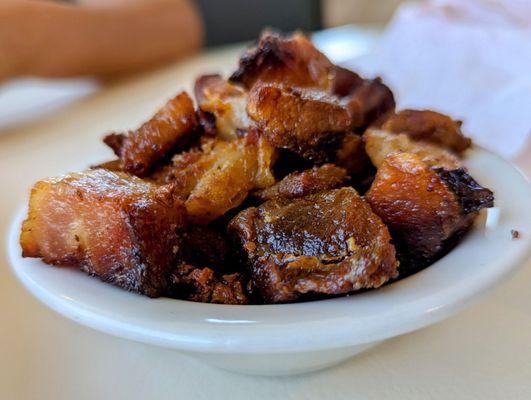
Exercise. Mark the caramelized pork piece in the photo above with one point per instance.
(238, 167)
(218, 177)
(117, 227)
(429, 126)
(173, 125)
(293, 61)
(423, 207)
(379, 144)
(307, 122)
(344, 81)
(203, 285)
(370, 102)
(327, 243)
(300, 184)
(226, 102)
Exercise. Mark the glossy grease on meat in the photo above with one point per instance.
(328, 243)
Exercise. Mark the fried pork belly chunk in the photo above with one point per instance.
(293, 61)
(369, 100)
(202, 245)
(344, 81)
(203, 285)
(424, 207)
(219, 176)
(307, 122)
(300, 184)
(327, 243)
(379, 144)
(429, 126)
(225, 102)
(113, 165)
(112, 225)
(171, 126)
(351, 155)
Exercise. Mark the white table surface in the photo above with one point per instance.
(483, 353)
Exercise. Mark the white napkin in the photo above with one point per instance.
(470, 59)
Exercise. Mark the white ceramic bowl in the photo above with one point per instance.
(295, 338)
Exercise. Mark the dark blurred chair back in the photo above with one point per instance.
(229, 21)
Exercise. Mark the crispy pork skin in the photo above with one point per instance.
(424, 207)
(308, 122)
(300, 184)
(380, 143)
(173, 125)
(471, 196)
(429, 126)
(117, 227)
(292, 61)
(327, 243)
(226, 102)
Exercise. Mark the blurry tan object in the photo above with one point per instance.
(342, 12)
(467, 58)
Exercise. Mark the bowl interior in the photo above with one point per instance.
(484, 256)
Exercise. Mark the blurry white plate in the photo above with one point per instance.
(294, 338)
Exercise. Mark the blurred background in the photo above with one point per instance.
(467, 58)
(45, 45)
(237, 20)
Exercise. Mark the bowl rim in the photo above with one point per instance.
(289, 328)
